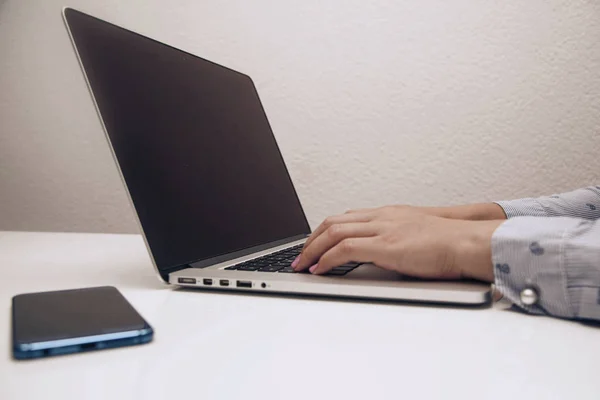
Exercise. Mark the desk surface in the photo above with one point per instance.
(224, 346)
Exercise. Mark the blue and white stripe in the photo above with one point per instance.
(551, 244)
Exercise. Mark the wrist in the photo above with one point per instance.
(471, 212)
(472, 249)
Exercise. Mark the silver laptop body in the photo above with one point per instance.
(215, 203)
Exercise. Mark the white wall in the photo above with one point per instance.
(372, 102)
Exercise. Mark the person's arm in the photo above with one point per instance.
(581, 203)
(555, 258)
(558, 258)
(471, 212)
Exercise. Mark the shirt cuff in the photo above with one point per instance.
(582, 266)
(528, 252)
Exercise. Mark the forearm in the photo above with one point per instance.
(471, 212)
(581, 203)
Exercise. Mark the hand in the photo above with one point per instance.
(471, 212)
(402, 239)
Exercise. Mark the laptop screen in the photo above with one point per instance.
(193, 144)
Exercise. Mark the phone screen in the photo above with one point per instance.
(45, 320)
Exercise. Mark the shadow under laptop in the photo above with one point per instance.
(357, 300)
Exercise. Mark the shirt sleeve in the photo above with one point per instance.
(558, 257)
(580, 203)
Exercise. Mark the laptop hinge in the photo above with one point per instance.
(164, 272)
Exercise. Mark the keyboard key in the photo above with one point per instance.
(248, 268)
(351, 264)
(291, 271)
(274, 262)
(258, 262)
(287, 270)
(343, 268)
(338, 272)
(281, 264)
(270, 268)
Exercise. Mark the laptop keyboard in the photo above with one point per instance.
(280, 262)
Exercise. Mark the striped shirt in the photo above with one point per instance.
(552, 245)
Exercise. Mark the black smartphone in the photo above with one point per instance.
(72, 321)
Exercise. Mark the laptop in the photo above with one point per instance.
(209, 186)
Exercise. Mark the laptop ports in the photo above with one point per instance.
(207, 282)
(189, 281)
(224, 282)
(244, 284)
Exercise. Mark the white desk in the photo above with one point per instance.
(217, 346)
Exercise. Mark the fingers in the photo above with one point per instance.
(497, 294)
(336, 219)
(359, 249)
(331, 237)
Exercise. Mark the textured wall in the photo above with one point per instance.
(372, 102)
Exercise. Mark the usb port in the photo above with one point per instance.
(191, 281)
(244, 284)
(224, 282)
(207, 281)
